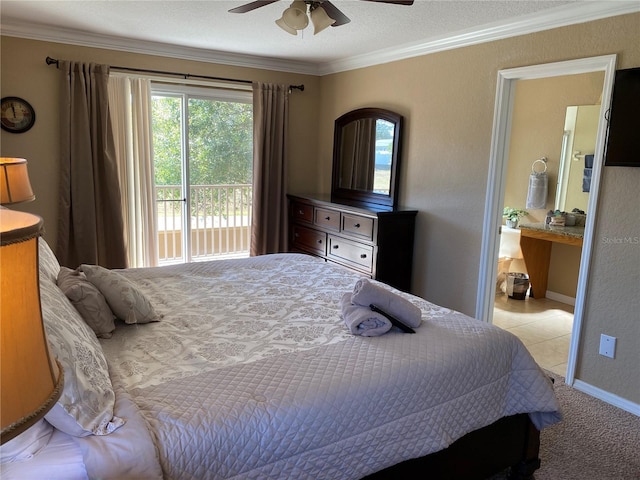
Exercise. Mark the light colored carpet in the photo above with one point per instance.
(594, 441)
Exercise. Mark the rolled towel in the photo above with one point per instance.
(366, 293)
(361, 320)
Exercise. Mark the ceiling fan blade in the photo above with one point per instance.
(396, 2)
(251, 6)
(333, 12)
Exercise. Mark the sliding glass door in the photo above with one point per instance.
(203, 150)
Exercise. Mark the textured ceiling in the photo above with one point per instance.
(207, 25)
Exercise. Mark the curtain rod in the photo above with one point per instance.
(53, 61)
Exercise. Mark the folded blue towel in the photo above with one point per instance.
(537, 193)
(362, 320)
(366, 293)
(588, 161)
(586, 180)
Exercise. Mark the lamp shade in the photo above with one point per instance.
(320, 19)
(14, 181)
(30, 379)
(510, 243)
(283, 25)
(296, 15)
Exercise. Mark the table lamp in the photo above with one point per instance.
(14, 181)
(31, 380)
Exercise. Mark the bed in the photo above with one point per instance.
(243, 369)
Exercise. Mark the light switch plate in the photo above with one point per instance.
(607, 346)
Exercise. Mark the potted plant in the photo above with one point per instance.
(512, 216)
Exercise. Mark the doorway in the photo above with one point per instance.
(554, 119)
(203, 169)
(503, 117)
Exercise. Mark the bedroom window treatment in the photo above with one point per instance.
(130, 106)
(270, 114)
(90, 218)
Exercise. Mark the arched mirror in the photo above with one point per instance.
(366, 157)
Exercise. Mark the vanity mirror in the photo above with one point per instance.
(366, 157)
(576, 157)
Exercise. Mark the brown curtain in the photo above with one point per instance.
(358, 150)
(270, 118)
(90, 228)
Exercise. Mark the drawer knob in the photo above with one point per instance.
(357, 225)
(363, 255)
(320, 242)
(327, 218)
(335, 247)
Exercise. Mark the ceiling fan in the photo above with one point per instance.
(322, 13)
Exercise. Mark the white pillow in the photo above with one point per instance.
(87, 401)
(27, 444)
(49, 265)
(127, 302)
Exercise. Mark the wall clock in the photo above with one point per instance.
(17, 115)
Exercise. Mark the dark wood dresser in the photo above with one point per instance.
(375, 241)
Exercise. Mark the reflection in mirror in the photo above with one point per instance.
(366, 151)
(576, 159)
(366, 156)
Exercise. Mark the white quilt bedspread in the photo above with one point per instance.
(252, 374)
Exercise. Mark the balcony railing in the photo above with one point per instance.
(219, 222)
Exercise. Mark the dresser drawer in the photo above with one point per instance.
(366, 240)
(352, 252)
(302, 211)
(310, 240)
(357, 225)
(327, 218)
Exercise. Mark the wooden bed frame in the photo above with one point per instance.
(511, 442)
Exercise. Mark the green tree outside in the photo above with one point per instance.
(220, 147)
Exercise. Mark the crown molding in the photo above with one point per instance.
(553, 18)
(84, 39)
(574, 13)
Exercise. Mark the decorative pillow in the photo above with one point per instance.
(87, 401)
(126, 301)
(88, 301)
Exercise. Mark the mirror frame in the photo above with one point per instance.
(339, 194)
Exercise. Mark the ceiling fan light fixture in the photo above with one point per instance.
(296, 15)
(320, 19)
(283, 25)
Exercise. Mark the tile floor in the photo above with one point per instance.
(543, 325)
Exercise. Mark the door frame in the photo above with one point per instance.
(497, 180)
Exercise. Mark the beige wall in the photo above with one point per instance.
(448, 101)
(25, 74)
(537, 125)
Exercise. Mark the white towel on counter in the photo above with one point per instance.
(366, 293)
(362, 320)
(537, 193)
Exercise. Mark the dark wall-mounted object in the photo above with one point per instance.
(366, 157)
(623, 138)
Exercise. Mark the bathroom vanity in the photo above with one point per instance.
(536, 240)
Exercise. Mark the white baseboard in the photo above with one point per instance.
(607, 397)
(558, 297)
